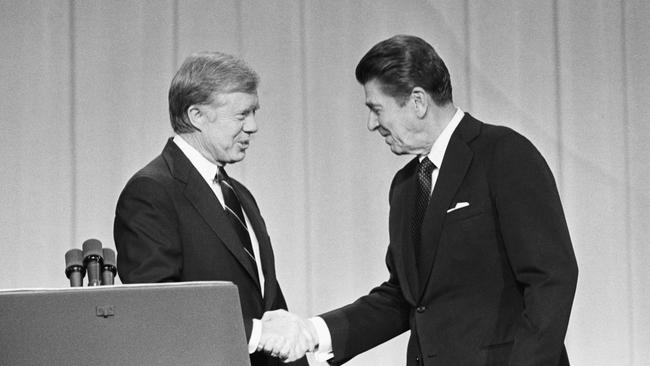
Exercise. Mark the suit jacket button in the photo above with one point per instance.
(421, 309)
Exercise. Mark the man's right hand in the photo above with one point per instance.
(286, 335)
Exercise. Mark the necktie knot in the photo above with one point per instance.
(221, 175)
(426, 167)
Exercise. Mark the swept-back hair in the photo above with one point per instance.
(403, 62)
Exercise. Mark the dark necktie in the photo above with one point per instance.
(234, 211)
(424, 171)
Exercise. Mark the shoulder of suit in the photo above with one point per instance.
(156, 171)
(403, 174)
(490, 134)
(155, 168)
(502, 134)
(407, 169)
(497, 141)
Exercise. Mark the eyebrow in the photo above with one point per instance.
(252, 108)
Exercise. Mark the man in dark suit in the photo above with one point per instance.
(181, 218)
(482, 270)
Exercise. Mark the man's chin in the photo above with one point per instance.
(397, 151)
(235, 158)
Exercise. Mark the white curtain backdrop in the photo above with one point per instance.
(83, 102)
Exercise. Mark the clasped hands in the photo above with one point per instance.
(286, 335)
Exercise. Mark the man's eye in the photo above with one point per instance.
(244, 115)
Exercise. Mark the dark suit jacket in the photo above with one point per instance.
(500, 274)
(169, 226)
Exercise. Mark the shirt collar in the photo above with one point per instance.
(440, 145)
(206, 168)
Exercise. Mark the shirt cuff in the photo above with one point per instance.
(324, 351)
(256, 334)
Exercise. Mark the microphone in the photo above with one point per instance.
(92, 252)
(108, 269)
(74, 267)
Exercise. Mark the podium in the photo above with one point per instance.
(187, 323)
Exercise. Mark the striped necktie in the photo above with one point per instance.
(234, 211)
(424, 171)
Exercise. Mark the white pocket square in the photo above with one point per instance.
(458, 206)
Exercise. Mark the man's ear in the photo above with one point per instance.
(196, 115)
(420, 100)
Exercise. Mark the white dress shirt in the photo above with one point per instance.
(440, 145)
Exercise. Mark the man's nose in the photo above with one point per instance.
(250, 124)
(372, 121)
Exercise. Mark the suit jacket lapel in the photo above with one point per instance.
(402, 203)
(266, 252)
(199, 194)
(456, 161)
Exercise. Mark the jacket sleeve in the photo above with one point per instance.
(146, 234)
(538, 246)
(371, 320)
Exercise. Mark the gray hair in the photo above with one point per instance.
(202, 76)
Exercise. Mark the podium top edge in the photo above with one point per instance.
(193, 284)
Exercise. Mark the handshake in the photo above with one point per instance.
(286, 335)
